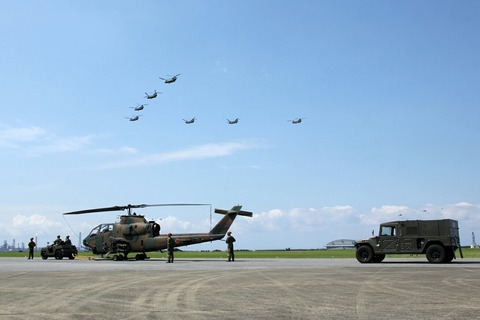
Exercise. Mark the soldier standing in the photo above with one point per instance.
(31, 247)
(170, 246)
(230, 240)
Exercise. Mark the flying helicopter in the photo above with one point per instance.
(170, 80)
(134, 118)
(232, 121)
(139, 107)
(152, 96)
(296, 121)
(189, 121)
(133, 233)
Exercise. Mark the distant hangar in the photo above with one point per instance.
(341, 244)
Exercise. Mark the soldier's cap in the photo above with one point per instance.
(68, 236)
(31, 238)
(169, 234)
(229, 232)
(58, 236)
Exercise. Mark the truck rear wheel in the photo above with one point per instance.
(436, 254)
(364, 254)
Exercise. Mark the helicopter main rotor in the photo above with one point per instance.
(129, 207)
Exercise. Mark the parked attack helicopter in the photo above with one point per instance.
(170, 80)
(152, 96)
(232, 121)
(133, 233)
(189, 121)
(139, 107)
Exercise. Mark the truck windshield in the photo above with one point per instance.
(387, 231)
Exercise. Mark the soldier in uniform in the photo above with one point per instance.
(230, 240)
(170, 246)
(58, 240)
(31, 246)
(68, 241)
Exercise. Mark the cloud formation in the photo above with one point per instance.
(13, 137)
(211, 150)
(36, 141)
(273, 229)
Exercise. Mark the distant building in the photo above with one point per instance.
(341, 244)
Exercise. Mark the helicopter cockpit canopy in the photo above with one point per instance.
(102, 228)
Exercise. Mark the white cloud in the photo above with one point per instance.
(26, 226)
(12, 137)
(36, 141)
(462, 211)
(122, 150)
(383, 214)
(62, 145)
(212, 150)
(175, 225)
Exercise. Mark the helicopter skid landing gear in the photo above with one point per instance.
(141, 256)
(119, 257)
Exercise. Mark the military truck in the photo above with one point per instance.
(437, 239)
(59, 251)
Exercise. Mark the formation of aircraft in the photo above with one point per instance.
(172, 79)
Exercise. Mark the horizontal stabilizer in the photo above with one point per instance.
(240, 212)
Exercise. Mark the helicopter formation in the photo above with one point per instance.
(133, 233)
(172, 79)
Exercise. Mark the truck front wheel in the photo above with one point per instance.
(364, 254)
(436, 254)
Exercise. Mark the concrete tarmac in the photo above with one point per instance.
(336, 289)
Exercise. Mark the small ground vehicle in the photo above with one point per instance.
(59, 251)
(437, 239)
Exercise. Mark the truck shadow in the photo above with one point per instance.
(428, 263)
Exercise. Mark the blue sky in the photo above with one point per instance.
(389, 93)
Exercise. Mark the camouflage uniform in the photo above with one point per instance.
(230, 240)
(68, 241)
(170, 246)
(58, 240)
(31, 246)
